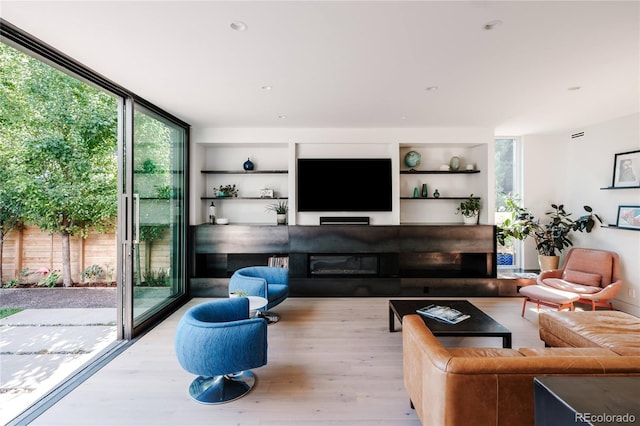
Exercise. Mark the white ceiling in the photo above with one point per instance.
(358, 63)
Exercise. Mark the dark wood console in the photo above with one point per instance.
(353, 260)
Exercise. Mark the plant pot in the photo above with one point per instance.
(281, 218)
(548, 263)
(470, 220)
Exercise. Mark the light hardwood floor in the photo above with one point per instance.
(332, 361)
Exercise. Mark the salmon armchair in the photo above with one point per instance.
(593, 274)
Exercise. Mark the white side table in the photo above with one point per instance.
(256, 302)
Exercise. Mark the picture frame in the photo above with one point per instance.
(626, 169)
(628, 217)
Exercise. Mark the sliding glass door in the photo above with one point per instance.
(154, 215)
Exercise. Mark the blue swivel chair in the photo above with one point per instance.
(269, 282)
(220, 343)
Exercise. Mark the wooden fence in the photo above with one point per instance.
(31, 249)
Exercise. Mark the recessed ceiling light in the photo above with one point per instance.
(404, 117)
(266, 87)
(431, 88)
(239, 26)
(574, 88)
(492, 25)
(282, 117)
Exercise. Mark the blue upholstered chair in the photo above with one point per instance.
(220, 343)
(265, 281)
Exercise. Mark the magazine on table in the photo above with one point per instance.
(443, 313)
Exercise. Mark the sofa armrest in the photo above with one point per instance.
(553, 273)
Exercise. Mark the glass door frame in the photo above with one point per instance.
(24, 41)
(127, 212)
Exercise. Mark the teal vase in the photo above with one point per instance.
(424, 191)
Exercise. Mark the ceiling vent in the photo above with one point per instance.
(577, 135)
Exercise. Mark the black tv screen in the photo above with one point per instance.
(344, 184)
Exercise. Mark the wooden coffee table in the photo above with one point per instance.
(479, 325)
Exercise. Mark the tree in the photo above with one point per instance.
(66, 145)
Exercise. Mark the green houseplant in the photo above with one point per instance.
(281, 208)
(550, 238)
(469, 209)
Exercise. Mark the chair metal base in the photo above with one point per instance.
(222, 389)
(270, 316)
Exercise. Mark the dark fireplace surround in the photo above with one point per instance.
(356, 260)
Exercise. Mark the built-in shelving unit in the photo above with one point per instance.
(452, 185)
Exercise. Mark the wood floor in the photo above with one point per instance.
(332, 361)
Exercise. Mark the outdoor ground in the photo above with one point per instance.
(51, 298)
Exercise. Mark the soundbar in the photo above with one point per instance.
(344, 220)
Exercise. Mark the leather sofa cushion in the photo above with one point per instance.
(566, 352)
(482, 352)
(569, 286)
(585, 278)
(614, 330)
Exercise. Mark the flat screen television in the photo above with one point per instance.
(344, 184)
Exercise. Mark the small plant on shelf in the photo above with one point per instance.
(281, 207)
(226, 191)
(469, 207)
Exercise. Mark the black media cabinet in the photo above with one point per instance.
(354, 260)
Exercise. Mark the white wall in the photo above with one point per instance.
(572, 171)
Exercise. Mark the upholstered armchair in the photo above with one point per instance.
(593, 274)
(219, 342)
(265, 281)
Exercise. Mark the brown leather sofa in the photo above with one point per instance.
(490, 386)
(613, 330)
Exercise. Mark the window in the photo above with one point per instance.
(508, 180)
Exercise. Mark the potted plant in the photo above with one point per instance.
(226, 191)
(280, 208)
(469, 209)
(238, 293)
(550, 238)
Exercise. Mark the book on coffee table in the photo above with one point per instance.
(443, 313)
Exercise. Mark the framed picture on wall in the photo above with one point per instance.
(628, 217)
(626, 169)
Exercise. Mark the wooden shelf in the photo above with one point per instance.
(438, 172)
(619, 227)
(244, 198)
(243, 172)
(439, 198)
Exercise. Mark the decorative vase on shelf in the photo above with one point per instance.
(436, 194)
(454, 163)
(415, 192)
(424, 190)
(247, 165)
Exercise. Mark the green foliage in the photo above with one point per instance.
(163, 192)
(159, 278)
(551, 238)
(49, 280)
(152, 232)
(13, 282)
(281, 207)
(92, 273)
(5, 312)
(469, 207)
(226, 190)
(148, 166)
(58, 150)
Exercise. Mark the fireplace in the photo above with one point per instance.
(341, 265)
